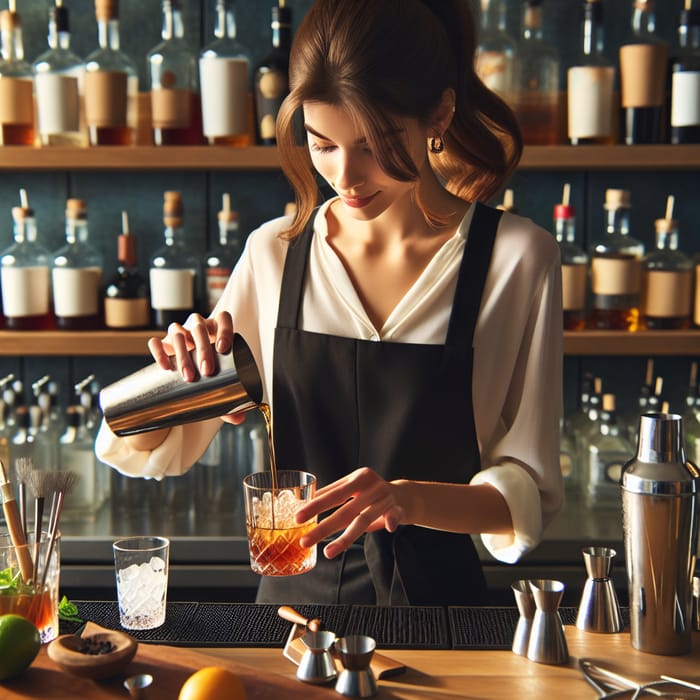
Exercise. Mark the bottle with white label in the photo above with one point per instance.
(25, 275)
(174, 270)
(111, 84)
(616, 269)
(222, 258)
(224, 76)
(58, 82)
(496, 50)
(590, 84)
(685, 79)
(16, 89)
(77, 274)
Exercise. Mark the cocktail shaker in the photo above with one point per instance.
(659, 519)
(153, 397)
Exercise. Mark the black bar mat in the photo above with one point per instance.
(401, 627)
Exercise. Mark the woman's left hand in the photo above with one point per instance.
(365, 502)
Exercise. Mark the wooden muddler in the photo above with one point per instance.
(14, 527)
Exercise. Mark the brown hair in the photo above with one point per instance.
(388, 59)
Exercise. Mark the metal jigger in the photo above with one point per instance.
(356, 680)
(599, 609)
(547, 643)
(526, 607)
(317, 664)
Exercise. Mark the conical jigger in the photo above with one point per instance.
(356, 680)
(317, 664)
(526, 607)
(547, 643)
(599, 609)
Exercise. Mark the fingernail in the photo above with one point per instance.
(204, 367)
(188, 374)
(220, 345)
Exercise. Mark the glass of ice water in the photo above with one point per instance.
(141, 565)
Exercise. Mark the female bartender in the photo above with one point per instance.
(408, 336)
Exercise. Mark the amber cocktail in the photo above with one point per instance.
(273, 533)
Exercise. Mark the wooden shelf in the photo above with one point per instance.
(154, 158)
(55, 343)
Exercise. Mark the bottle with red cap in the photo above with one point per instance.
(574, 264)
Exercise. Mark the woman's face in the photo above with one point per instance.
(341, 155)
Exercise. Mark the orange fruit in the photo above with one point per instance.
(213, 682)
(19, 644)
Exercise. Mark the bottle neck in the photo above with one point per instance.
(689, 36)
(565, 230)
(25, 231)
(225, 26)
(76, 230)
(493, 15)
(643, 21)
(174, 234)
(108, 34)
(532, 23)
(227, 231)
(667, 240)
(619, 221)
(593, 34)
(173, 26)
(12, 44)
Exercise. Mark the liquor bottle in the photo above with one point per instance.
(271, 80)
(685, 79)
(220, 260)
(667, 279)
(126, 296)
(58, 78)
(629, 420)
(537, 98)
(616, 269)
(508, 203)
(574, 265)
(496, 50)
(588, 427)
(77, 274)
(16, 89)
(176, 109)
(46, 417)
(643, 69)
(609, 450)
(111, 84)
(590, 84)
(25, 275)
(174, 270)
(691, 416)
(224, 68)
(568, 462)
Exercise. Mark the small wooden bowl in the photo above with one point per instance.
(65, 652)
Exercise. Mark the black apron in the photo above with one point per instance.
(403, 409)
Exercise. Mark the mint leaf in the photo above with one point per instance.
(68, 611)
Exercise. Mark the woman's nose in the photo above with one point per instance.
(349, 174)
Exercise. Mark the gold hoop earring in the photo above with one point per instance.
(437, 145)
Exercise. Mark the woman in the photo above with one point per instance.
(408, 338)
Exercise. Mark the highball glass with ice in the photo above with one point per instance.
(273, 534)
(141, 565)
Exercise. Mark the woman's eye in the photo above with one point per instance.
(321, 149)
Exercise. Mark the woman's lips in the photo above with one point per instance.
(357, 202)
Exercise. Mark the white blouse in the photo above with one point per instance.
(517, 375)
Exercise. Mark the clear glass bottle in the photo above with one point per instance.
(496, 50)
(691, 416)
(609, 450)
(538, 98)
(588, 427)
(667, 279)
(25, 275)
(174, 269)
(629, 420)
(77, 274)
(111, 84)
(685, 79)
(44, 415)
(574, 265)
(58, 84)
(224, 76)
(176, 109)
(590, 84)
(16, 88)
(616, 269)
(643, 72)
(127, 303)
(23, 435)
(271, 80)
(222, 258)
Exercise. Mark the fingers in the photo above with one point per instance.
(224, 331)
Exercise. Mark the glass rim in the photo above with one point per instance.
(122, 544)
(281, 473)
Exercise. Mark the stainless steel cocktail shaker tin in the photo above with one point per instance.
(153, 398)
(659, 519)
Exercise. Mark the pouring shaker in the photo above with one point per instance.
(599, 609)
(153, 398)
(659, 519)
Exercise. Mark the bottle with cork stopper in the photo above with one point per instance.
(77, 274)
(111, 84)
(126, 297)
(574, 264)
(174, 270)
(222, 258)
(25, 275)
(616, 269)
(667, 278)
(16, 88)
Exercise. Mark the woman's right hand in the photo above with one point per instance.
(197, 333)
